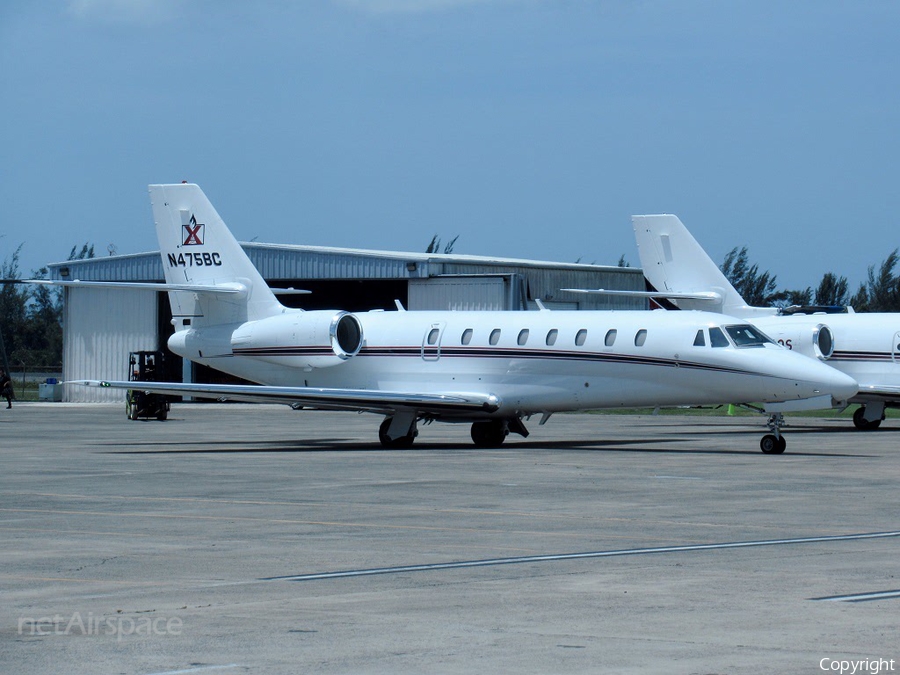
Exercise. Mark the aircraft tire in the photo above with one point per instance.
(772, 444)
(489, 434)
(402, 443)
(860, 421)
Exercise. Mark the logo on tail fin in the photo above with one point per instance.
(192, 233)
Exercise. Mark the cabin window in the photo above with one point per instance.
(495, 336)
(523, 337)
(640, 337)
(580, 337)
(717, 338)
(610, 338)
(433, 336)
(700, 339)
(552, 334)
(466, 336)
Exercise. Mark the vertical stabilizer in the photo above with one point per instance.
(197, 248)
(674, 262)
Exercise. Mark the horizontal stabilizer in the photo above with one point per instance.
(386, 402)
(289, 291)
(708, 296)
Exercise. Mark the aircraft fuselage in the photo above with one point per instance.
(541, 361)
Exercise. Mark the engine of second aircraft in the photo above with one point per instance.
(816, 341)
(312, 339)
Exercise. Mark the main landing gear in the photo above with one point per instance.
(774, 443)
(868, 417)
(492, 433)
(403, 442)
(398, 432)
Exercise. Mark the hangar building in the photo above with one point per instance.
(102, 325)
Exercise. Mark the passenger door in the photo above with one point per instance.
(431, 342)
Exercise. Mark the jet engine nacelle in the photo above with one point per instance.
(815, 340)
(313, 339)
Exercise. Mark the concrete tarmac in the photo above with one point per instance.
(257, 539)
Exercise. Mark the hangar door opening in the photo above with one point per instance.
(351, 295)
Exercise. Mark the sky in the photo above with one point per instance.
(529, 128)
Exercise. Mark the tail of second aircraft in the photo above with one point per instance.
(199, 251)
(674, 262)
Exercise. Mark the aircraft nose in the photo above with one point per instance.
(828, 380)
(840, 385)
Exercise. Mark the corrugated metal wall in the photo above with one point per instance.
(102, 326)
(544, 282)
(459, 293)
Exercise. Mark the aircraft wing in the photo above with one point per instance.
(367, 400)
(225, 288)
(884, 390)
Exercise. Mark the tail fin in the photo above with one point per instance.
(673, 261)
(197, 248)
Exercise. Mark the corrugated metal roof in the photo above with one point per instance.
(132, 267)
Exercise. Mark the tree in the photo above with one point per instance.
(31, 315)
(757, 289)
(881, 292)
(13, 304)
(800, 298)
(832, 290)
(43, 329)
(87, 251)
(860, 300)
(435, 245)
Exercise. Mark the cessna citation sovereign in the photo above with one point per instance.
(865, 346)
(490, 369)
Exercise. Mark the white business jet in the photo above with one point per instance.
(865, 346)
(490, 369)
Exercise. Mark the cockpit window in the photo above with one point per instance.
(699, 340)
(745, 335)
(717, 338)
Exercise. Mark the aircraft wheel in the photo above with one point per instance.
(772, 444)
(860, 421)
(490, 434)
(402, 443)
(162, 414)
(130, 407)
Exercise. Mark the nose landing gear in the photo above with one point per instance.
(774, 443)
